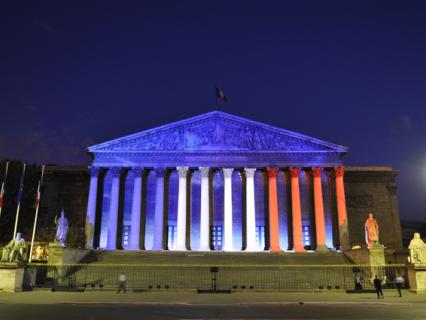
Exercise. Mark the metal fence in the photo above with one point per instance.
(154, 277)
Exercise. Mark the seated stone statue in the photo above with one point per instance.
(417, 249)
(14, 251)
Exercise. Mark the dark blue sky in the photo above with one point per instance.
(354, 73)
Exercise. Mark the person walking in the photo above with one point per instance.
(378, 285)
(399, 281)
(358, 283)
(122, 283)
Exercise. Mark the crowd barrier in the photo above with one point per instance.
(229, 277)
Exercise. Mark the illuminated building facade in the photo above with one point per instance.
(218, 182)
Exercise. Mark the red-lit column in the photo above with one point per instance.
(296, 211)
(274, 238)
(319, 210)
(342, 216)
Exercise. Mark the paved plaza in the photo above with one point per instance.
(177, 305)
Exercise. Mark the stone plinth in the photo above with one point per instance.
(11, 276)
(417, 278)
(377, 260)
(59, 256)
(64, 255)
(374, 258)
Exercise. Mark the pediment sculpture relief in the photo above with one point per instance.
(216, 135)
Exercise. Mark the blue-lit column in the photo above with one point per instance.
(91, 205)
(205, 210)
(250, 211)
(113, 209)
(136, 210)
(159, 210)
(227, 214)
(181, 214)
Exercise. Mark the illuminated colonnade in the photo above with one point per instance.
(183, 225)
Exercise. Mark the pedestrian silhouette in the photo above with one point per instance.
(358, 283)
(122, 283)
(399, 281)
(378, 286)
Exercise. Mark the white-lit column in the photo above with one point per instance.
(91, 205)
(250, 209)
(113, 209)
(136, 210)
(159, 210)
(205, 210)
(227, 213)
(181, 214)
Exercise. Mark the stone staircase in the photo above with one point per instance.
(192, 270)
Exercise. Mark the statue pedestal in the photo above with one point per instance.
(417, 278)
(59, 254)
(61, 257)
(377, 260)
(11, 276)
(372, 259)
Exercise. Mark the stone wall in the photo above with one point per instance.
(64, 187)
(373, 189)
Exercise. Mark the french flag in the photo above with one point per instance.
(37, 198)
(221, 95)
(2, 195)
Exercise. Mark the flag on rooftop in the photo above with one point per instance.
(221, 95)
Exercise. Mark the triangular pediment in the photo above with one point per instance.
(216, 131)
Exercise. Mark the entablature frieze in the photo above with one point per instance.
(219, 159)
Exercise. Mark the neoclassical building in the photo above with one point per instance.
(219, 182)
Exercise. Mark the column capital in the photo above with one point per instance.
(339, 171)
(316, 172)
(137, 171)
(272, 172)
(294, 172)
(204, 171)
(227, 172)
(115, 171)
(250, 172)
(182, 171)
(94, 171)
(160, 171)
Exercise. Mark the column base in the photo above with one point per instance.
(204, 249)
(133, 248)
(251, 249)
(179, 249)
(227, 249)
(299, 249)
(275, 250)
(321, 248)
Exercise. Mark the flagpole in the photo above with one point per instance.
(36, 214)
(2, 185)
(215, 94)
(19, 205)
